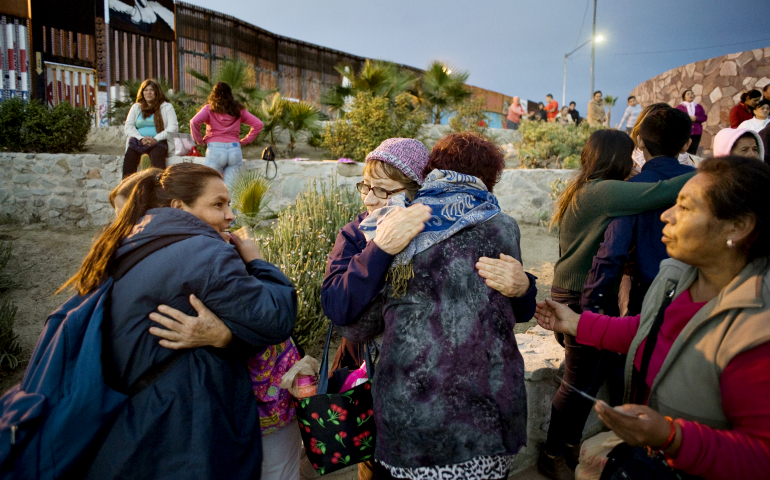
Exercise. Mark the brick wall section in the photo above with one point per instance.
(717, 84)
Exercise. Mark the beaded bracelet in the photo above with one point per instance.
(652, 451)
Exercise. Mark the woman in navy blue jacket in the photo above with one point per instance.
(199, 419)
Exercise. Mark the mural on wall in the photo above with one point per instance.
(67, 83)
(14, 63)
(153, 18)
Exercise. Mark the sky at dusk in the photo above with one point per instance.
(517, 47)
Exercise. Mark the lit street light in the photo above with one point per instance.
(598, 38)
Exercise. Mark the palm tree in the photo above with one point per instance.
(378, 77)
(609, 101)
(271, 113)
(300, 117)
(441, 89)
(240, 75)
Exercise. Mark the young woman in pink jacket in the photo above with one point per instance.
(223, 117)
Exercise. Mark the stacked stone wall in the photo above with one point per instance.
(717, 84)
(74, 189)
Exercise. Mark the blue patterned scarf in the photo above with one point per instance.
(458, 201)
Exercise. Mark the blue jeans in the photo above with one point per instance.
(225, 158)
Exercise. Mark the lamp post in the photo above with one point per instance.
(597, 38)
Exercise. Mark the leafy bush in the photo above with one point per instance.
(543, 143)
(370, 121)
(470, 117)
(299, 244)
(11, 120)
(34, 127)
(249, 197)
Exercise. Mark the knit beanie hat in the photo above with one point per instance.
(408, 155)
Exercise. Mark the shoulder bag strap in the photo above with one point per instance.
(323, 373)
(652, 339)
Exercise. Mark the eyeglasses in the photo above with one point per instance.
(378, 192)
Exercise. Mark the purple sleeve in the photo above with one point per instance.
(524, 306)
(608, 263)
(254, 123)
(353, 278)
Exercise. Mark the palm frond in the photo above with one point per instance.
(249, 196)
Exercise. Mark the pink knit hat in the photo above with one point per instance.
(408, 155)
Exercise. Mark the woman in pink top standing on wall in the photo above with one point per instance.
(223, 117)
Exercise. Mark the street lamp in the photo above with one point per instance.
(598, 38)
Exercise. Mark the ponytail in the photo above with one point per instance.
(184, 181)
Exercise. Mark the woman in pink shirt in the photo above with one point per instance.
(515, 112)
(223, 117)
(698, 368)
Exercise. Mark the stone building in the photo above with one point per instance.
(717, 84)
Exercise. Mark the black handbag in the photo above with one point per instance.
(337, 428)
(269, 156)
(625, 462)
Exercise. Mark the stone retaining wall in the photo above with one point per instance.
(74, 189)
(717, 84)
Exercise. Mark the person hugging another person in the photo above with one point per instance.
(629, 116)
(223, 117)
(697, 374)
(635, 239)
(595, 195)
(147, 126)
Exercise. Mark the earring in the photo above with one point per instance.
(730, 243)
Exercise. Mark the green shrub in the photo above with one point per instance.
(11, 120)
(249, 197)
(302, 237)
(34, 127)
(370, 121)
(470, 117)
(543, 143)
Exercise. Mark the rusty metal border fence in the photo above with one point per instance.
(298, 69)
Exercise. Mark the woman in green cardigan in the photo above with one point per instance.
(583, 210)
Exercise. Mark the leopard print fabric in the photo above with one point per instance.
(479, 468)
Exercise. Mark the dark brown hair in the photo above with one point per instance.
(160, 97)
(380, 169)
(183, 181)
(738, 187)
(127, 184)
(468, 153)
(643, 114)
(606, 156)
(221, 100)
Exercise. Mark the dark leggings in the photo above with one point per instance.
(586, 368)
(157, 155)
(693, 150)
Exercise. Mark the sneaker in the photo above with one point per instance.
(555, 468)
(572, 456)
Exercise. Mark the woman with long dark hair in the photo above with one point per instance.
(745, 109)
(697, 376)
(199, 415)
(223, 117)
(149, 122)
(593, 197)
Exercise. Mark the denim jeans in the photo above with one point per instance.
(226, 158)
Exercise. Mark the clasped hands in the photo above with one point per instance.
(149, 141)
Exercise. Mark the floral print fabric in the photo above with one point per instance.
(276, 407)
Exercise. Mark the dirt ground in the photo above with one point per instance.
(45, 257)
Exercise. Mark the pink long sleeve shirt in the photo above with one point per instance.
(741, 452)
(221, 127)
